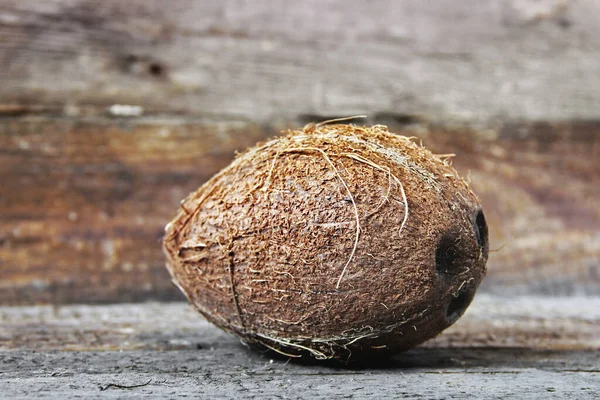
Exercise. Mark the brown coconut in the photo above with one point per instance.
(334, 241)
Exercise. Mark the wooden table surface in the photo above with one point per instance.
(525, 347)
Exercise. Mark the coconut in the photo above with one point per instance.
(334, 241)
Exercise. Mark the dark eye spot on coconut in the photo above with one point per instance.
(448, 254)
(481, 231)
(458, 305)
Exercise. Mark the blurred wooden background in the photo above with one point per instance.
(511, 87)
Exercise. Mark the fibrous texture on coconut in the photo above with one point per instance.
(334, 241)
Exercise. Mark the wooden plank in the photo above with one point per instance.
(442, 61)
(84, 201)
(534, 347)
(492, 321)
(234, 375)
(85, 196)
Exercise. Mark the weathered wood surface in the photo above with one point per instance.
(85, 195)
(525, 347)
(467, 60)
(83, 204)
(84, 201)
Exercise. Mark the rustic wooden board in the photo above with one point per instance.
(467, 60)
(529, 347)
(84, 200)
(85, 193)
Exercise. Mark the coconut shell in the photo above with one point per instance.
(334, 241)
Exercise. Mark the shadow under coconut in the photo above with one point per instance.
(436, 359)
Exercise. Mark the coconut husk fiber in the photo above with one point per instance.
(334, 241)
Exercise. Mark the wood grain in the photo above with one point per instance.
(492, 321)
(84, 200)
(534, 347)
(510, 87)
(446, 61)
(83, 203)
